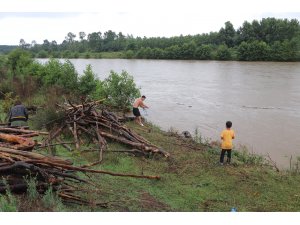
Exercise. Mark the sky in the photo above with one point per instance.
(53, 19)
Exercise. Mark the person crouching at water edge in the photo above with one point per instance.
(226, 136)
(139, 102)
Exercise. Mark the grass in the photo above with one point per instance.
(191, 179)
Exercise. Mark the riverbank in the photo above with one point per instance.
(191, 180)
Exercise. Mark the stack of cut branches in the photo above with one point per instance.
(16, 166)
(86, 123)
(20, 139)
(99, 125)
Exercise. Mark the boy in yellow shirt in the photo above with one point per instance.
(226, 136)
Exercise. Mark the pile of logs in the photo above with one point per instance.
(99, 125)
(17, 166)
(87, 123)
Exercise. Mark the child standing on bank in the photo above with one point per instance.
(226, 136)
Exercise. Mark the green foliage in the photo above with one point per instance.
(227, 35)
(32, 192)
(19, 60)
(88, 81)
(116, 45)
(245, 157)
(51, 200)
(223, 53)
(3, 63)
(8, 101)
(120, 90)
(8, 202)
(45, 116)
(67, 54)
(254, 51)
(61, 74)
(42, 54)
(203, 52)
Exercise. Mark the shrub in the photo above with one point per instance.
(223, 53)
(42, 54)
(87, 82)
(19, 60)
(43, 118)
(120, 90)
(60, 74)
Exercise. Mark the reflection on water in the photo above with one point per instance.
(260, 98)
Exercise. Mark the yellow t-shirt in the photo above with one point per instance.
(227, 136)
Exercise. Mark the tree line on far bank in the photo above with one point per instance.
(270, 39)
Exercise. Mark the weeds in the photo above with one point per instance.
(32, 192)
(51, 200)
(8, 202)
(198, 138)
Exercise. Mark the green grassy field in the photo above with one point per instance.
(191, 180)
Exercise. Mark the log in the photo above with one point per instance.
(136, 145)
(14, 130)
(63, 166)
(36, 156)
(23, 143)
(75, 134)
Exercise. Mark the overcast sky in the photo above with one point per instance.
(53, 19)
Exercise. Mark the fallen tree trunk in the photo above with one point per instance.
(36, 156)
(23, 143)
(15, 130)
(90, 170)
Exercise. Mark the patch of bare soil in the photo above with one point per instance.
(151, 204)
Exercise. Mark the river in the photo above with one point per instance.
(262, 99)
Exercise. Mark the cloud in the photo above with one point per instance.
(52, 20)
(52, 15)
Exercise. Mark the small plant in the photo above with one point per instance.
(8, 202)
(198, 138)
(244, 156)
(51, 200)
(173, 131)
(31, 188)
(43, 118)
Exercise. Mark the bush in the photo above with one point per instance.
(120, 90)
(223, 53)
(19, 61)
(42, 54)
(87, 82)
(43, 118)
(60, 74)
(87, 55)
